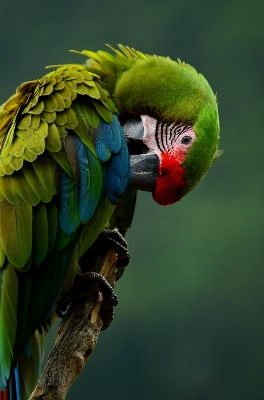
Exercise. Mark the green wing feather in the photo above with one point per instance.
(25, 128)
(2, 256)
(34, 251)
(35, 117)
(15, 231)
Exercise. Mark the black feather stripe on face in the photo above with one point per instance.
(157, 131)
(166, 134)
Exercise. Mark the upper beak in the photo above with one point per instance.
(144, 165)
(144, 169)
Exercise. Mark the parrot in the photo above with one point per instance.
(75, 146)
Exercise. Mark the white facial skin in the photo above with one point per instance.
(161, 137)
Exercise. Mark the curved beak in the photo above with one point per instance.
(144, 169)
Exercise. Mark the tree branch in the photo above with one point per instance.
(76, 339)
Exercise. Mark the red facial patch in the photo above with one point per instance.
(171, 179)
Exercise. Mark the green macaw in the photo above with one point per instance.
(75, 146)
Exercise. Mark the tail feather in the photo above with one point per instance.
(13, 391)
(30, 367)
(16, 381)
(4, 395)
(21, 385)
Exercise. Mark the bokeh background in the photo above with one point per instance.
(190, 319)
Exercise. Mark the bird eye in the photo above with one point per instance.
(186, 140)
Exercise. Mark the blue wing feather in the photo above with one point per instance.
(81, 195)
(90, 182)
(86, 184)
(118, 173)
(69, 216)
(17, 382)
(101, 150)
(117, 176)
(110, 134)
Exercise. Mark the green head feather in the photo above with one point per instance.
(181, 95)
(168, 91)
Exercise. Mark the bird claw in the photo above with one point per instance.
(87, 285)
(107, 240)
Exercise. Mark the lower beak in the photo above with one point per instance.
(144, 169)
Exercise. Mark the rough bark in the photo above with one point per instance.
(76, 339)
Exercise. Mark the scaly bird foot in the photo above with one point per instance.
(87, 285)
(107, 240)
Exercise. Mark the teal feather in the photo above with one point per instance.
(118, 173)
(69, 215)
(90, 187)
(110, 134)
(87, 178)
(101, 150)
(17, 382)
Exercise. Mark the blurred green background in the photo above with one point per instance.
(190, 319)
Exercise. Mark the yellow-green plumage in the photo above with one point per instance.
(16, 231)
(47, 108)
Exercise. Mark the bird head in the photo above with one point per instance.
(169, 115)
(171, 125)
